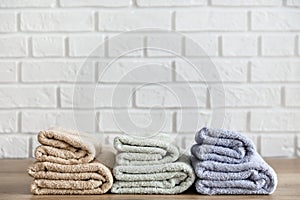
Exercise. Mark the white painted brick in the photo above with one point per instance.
(34, 144)
(8, 22)
(278, 45)
(86, 45)
(34, 121)
(8, 121)
(275, 121)
(64, 71)
(94, 3)
(164, 45)
(280, 20)
(47, 46)
(246, 2)
(293, 3)
(8, 72)
(131, 20)
(248, 96)
(214, 70)
(298, 146)
(239, 45)
(135, 71)
(14, 146)
(125, 45)
(141, 122)
(292, 96)
(163, 95)
(26, 3)
(27, 96)
(211, 20)
(201, 45)
(168, 3)
(57, 21)
(96, 96)
(275, 70)
(235, 120)
(277, 145)
(12, 46)
(192, 121)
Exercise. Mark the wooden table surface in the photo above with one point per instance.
(15, 184)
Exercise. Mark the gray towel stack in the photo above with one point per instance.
(150, 166)
(226, 162)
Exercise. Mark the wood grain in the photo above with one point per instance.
(15, 183)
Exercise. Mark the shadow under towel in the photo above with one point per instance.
(168, 178)
(141, 151)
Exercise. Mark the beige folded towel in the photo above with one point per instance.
(66, 147)
(70, 162)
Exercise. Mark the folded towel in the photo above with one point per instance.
(253, 177)
(66, 147)
(168, 178)
(69, 162)
(226, 162)
(223, 146)
(141, 151)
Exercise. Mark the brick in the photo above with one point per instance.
(26, 3)
(277, 145)
(135, 122)
(239, 45)
(246, 2)
(168, 3)
(125, 45)
(57, 71)
(164, 45)
(177, 96)
(211, 20)
(125, 21)
(8, 122)
(275, 71)
(278, 45)
(215, 70)
(272, 20)
(275, 121)
(14, 146)
(13, 46)
(298, 146)
(135, 71)
(201, 45)
(95, 3)
(27, 96)
(8, 72)
(96, 96)
(86, 45)
(247, 96)
(34, 121)
(235, 120)
(49, 46)
(8, 22)
(192, 121)
(57, 21)
(293, 3)
(292, 96)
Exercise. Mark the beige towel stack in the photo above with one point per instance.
(69, 162)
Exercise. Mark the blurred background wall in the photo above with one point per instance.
(252, 44)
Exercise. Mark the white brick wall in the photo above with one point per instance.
(253, 48)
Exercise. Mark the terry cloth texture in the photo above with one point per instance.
(55, 174)
(141, 151)
(233, 167)
(150, 166)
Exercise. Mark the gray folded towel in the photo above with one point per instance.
(168, 178)
(223, 146)
(239, 169)
(141, 151)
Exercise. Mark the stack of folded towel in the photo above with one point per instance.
(226, 162)
(150, 166)
(68, 162)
